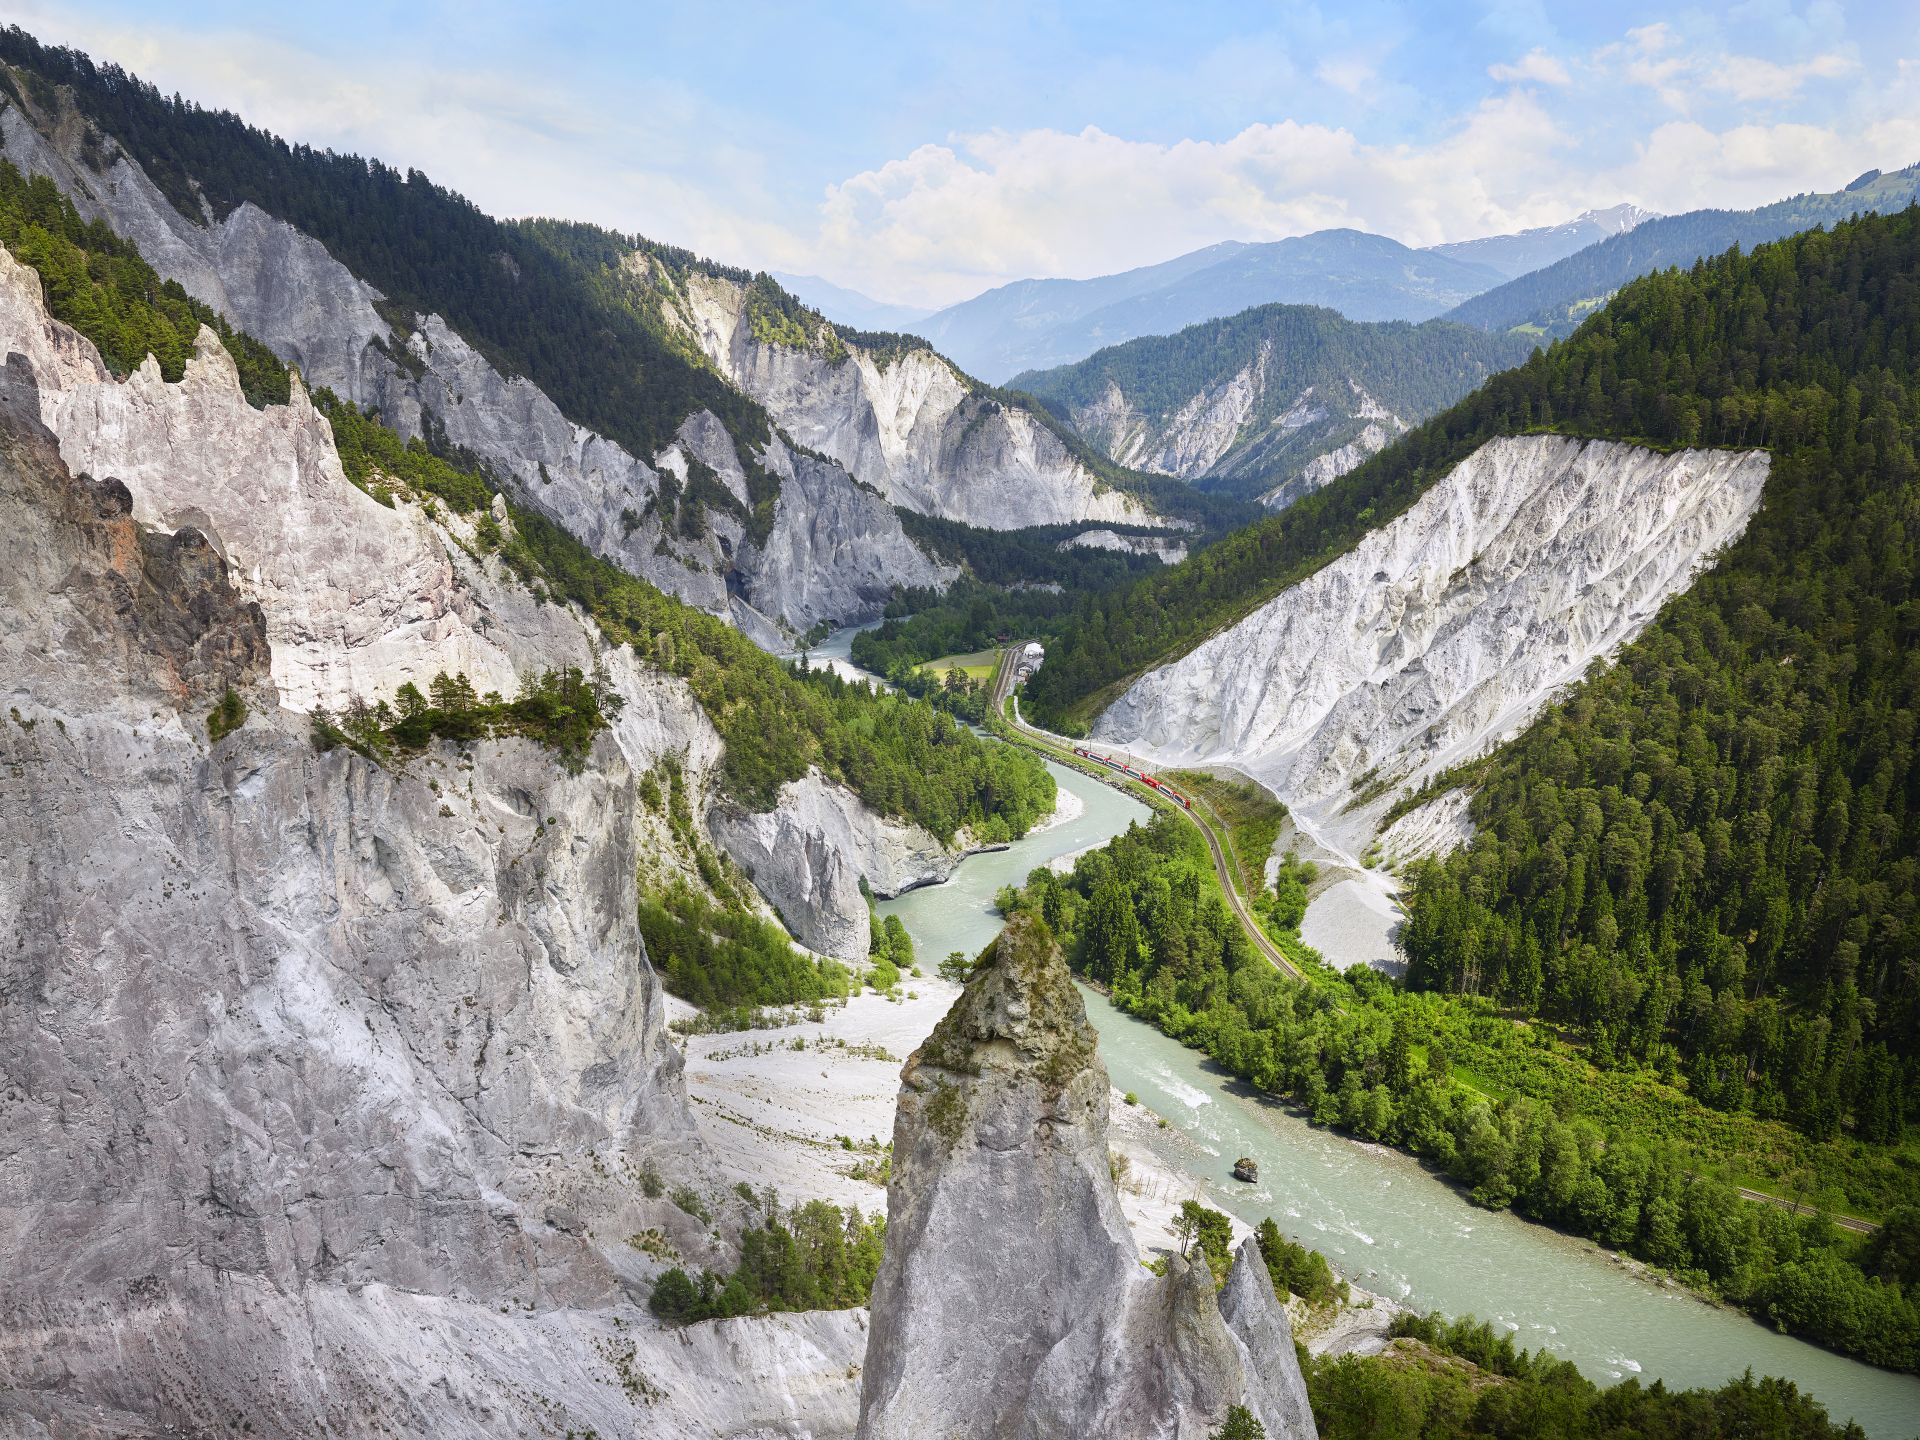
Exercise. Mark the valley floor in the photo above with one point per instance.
(777, 1102)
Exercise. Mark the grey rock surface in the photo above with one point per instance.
(809, 853)
(836, 550)
(283, 287)
(1012, 1302)
(326, 1084)
(276, 1022)
(909, 425)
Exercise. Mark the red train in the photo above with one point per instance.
(1142, 776)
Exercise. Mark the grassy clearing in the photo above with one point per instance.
(978, 665)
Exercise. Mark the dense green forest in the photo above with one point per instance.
(1412, 369)
(1463, 1380)
(1461, 1088)
(1553, 299)
(1706, 857)
(1762, 349)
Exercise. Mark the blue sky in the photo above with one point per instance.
(924, 151)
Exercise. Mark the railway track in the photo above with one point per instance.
(1060, 749)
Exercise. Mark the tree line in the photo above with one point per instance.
(1144, 918)
(1706, 859)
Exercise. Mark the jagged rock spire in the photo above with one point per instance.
(1012, 1302)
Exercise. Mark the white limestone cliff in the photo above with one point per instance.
(1446, 630)
(284, 288)
(327, 1111)
(360, 598)
(908, 424)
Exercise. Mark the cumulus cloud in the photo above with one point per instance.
(1535, 67)
(949, 219)
(1654, 57)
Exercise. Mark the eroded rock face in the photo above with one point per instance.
(836, 551)
(283, 287)
(359, 598)
(1446, 630)
(1011, 1302)
(276, 1024)
(909, 425)
(807, 856)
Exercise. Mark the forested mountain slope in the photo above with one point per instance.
(1274, 401)
(1708, 846)
(1037, 324)
(490, 339)
(1711, 848)
(1669, 361)
(1552, 300)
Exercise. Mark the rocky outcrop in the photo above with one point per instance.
(1011, 1302)
(1167, 551)
(279, 1026)
(359, 598)
(1446, 630)
(285, 289)
(836, 551)
(1247, 425)
(905, 423)
(809, 853)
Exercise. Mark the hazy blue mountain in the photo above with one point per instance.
(1038, 324)
(850, 307)
(1526, 250)
(1553, 300)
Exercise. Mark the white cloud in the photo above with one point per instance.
(1683, 165)
(1351, 76)
(1652, 56)
(949, 220)
(515, 146)
(1536, 66)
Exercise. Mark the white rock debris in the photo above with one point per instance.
(1444, 632)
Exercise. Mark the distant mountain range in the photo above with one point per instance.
(1526, 250)
(1038, 324)
(1272, 403)
(850, 307)
(1552, 300)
